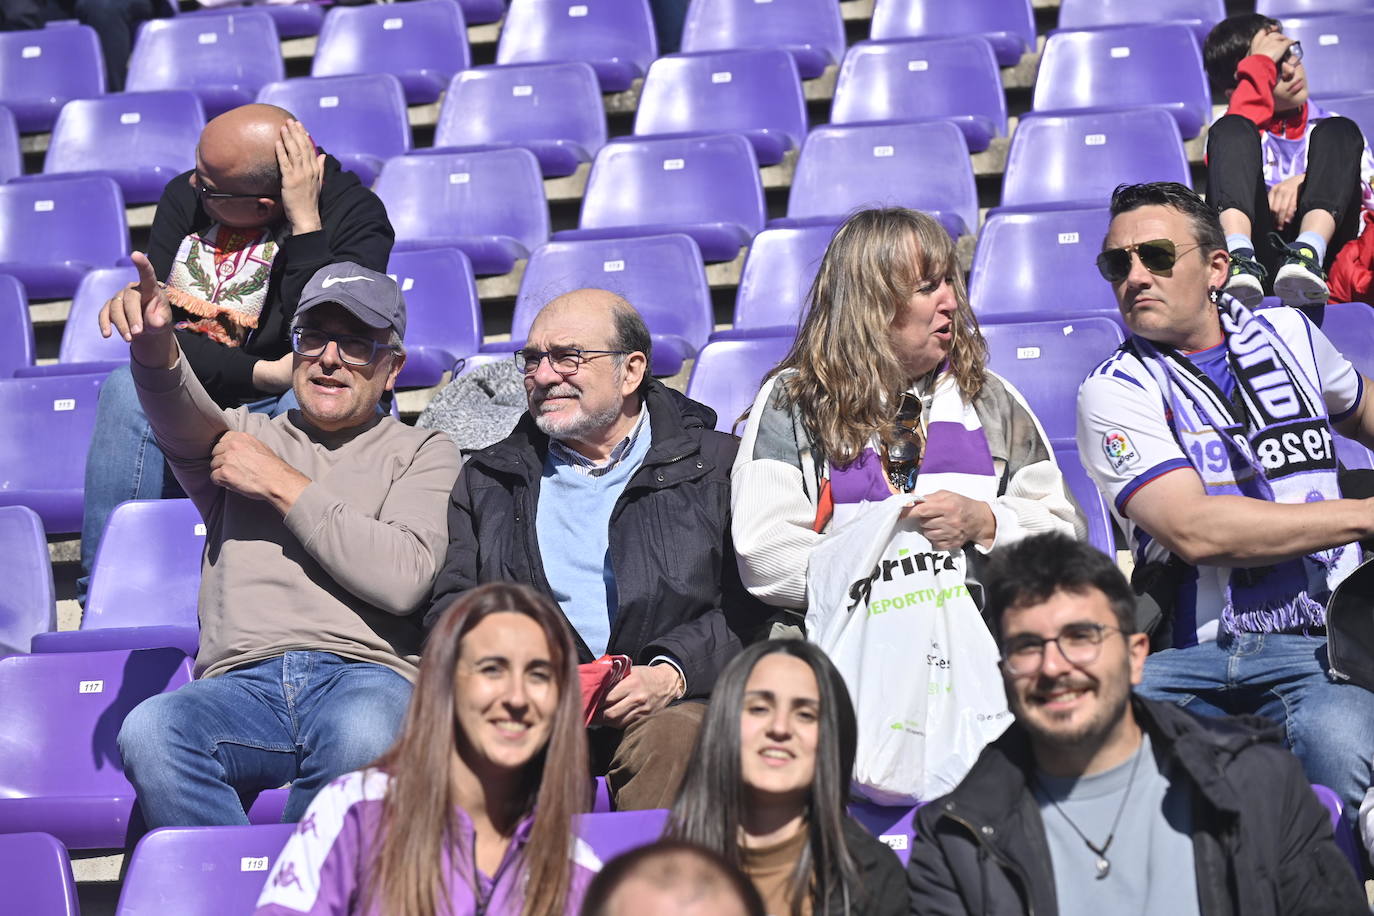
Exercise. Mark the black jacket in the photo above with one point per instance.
(675, 573)
(1262, 843)
(356, 229)
(882, 890)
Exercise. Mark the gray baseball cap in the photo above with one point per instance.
(373, 298)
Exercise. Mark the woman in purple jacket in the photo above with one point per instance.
(470, 811)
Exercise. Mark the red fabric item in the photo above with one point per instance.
(1352, 273)
(1253, 98)
(597, 679)
(825, 507)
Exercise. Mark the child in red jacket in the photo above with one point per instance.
(1277, 161)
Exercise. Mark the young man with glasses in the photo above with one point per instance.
(612, 495)
(324, 529)
(1098, 801)
(1290, 179)
(1211, 432)
(234, 240)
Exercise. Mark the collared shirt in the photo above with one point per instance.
(584, 465)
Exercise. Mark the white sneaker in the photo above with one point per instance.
(1300, 280)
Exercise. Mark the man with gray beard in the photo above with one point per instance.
(612, 495)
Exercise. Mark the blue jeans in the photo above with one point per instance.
(125, 463)
(1328, 725)
(196, 754)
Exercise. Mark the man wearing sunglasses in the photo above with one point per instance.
(1211, 432)
(234, 240)
(324, 530)
(1290, 179)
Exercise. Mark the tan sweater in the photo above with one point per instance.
(344, 570)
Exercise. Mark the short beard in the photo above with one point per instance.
(1089, 735)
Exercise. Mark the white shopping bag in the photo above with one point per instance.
(895, 616)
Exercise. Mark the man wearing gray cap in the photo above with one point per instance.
(325, 527)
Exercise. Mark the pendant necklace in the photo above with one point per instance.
(1104, 865)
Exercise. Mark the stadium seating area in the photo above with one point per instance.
(525, 150)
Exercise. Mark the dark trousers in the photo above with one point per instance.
(1235, 180)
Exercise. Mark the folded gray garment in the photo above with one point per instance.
(480, 407)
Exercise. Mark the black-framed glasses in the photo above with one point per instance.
(903, 443)
(1293, 55)
(1079, 643)
(208, 193)
(1158, 255)
(353, 350)
(564, 360)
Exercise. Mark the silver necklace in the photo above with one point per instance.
(1104, 865)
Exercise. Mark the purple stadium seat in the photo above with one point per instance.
(37, 875)
(444, 315)
(1008, 24)
(756, 93)
(53, 231)
(615, 832)
(61, 772)
(488, 204)
(661, 276)
(135, 604)
(16, 330)
(360, 120)
(923, 165)
(707, 187)
(1038, 264)
(83, 351)
(42, 69)
(200, 871)
(601, 798)
(1199, 15)
(11, 159)
(895, 826)
(728, 374)
(1350, 326)
(615, 36)
(26, 605)
(45, 429)
(1345, 839)
(776, 278)
(1089, 498)
(1080, 158)
(294, 20)
(1279, 8)
(225, 59)
(810, 30)
(1159, 66)
(140, 139)
(1336, 52)
(1352, 454)
(1358, 108)
(1047, 360)
(423, 43)
(952, 79)
(553, 110)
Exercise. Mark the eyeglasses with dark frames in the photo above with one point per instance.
(903, 443)
(353, 350)
(208, 193)
(563, 360)
(1079, 643)
(1158, 255)
(1293, 55)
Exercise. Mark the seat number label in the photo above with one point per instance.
(894, 840)
(31, 51)
(1027, 352)
(199, 530)
(329, 101)
(253, 863)
(392, 24)
(1068, 238)
(459, 177)
(883, 152)
(91, 687)
(521, 91)
(674, 165)
(917, 65)
(1095, 140)
(611, 267)
(62, 404)
(1121, 52)
(130, 117)
(578, 11)
(42, 206)
(722, 76)
(208, 38)
(1328, 39)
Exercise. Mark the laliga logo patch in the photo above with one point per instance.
(1120, 452)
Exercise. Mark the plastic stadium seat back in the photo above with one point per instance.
(893, 824)
(615, 36)
(615, 832)
(1199, 15)
(1040, 264)
(1047, 360)
(61, 771)
(952, 78)
(1336, 52)
(26, 605)
(361, 120)
(1098, 517)
(293, 20)
(45, 431)
(754, 92)
(728, 374)
(1008, 24)
(1080, 158)
(225, 59)
(777, 276)
(812, 31)
(16, 330)
(489, 204)
(37, 875)
(661, 276)
(140, 139)
(128, 591)
(924, 166)
(1345, 838)
(1142, 65)
(1279, 8)
(554, 110)
(422, 43)
(54, 230)
(11, 159)
(443, 314)
(1358, 108)
(1350, 326)
(81, 340)
(42, 69)
(708, 187)
(201, 871)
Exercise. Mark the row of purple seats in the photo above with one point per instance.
(1336, 51)
(1199, 15)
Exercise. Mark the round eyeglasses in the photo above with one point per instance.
(1079, 643)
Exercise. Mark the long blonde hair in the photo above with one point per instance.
(848, 376)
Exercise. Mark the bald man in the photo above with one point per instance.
(234, 240)
(612, 495)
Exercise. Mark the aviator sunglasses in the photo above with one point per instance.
(1158, 256)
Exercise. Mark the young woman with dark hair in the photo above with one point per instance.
(470, 811)
(768, 783)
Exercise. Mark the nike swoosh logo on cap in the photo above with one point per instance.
(330, 281)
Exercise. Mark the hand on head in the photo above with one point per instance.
(302, 175)
(1272, 44)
